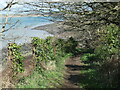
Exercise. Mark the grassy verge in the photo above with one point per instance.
(90, 74)
(90, 79)
(45, 78)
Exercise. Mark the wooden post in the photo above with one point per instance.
(9, 52)
(33, 54)
(33, 51)
(9, 62)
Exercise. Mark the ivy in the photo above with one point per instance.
(43, 49)
(16, 57)
(50, 49)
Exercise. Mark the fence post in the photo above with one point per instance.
(9, 55)
(33, 53)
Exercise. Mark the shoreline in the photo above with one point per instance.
(22, 15)
(59, 30)
(54, 28)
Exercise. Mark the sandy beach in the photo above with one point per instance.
(54, 28)
(59, 29)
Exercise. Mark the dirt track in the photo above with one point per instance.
(72, 73)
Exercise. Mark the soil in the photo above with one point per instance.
(7, 74)
(72, 73)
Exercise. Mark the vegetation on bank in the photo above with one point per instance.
(49, 57)
(104, 61)
(41, 78)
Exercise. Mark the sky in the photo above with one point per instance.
(3, 2)
(17, 7)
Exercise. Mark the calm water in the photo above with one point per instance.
(21, 32)
(25, 21)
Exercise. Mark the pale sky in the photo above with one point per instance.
(3, 2)
(17, 6)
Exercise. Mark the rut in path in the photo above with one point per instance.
(72, 73)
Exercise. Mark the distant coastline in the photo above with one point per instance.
(20, 15)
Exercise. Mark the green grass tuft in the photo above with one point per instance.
(44, 79)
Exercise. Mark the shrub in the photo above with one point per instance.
(108, 50)
(89, 57)
(70, 46)
(16, 57)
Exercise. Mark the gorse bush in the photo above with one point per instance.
(16, 57)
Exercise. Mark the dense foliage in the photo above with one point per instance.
(16, 57)
(44, 50)
(50, 48)
(106, 56)
(108, 51)
(86, 18)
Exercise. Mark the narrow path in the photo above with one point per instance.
(72, 73)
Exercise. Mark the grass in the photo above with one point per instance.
(45, 79)
(90, 77)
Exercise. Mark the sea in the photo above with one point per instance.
(20, 29)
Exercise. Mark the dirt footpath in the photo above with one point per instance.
(72, 73)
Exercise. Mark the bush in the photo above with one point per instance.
(109, 42)
(89, 57)
(70, 46)
(16, 57)
(108, 50)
